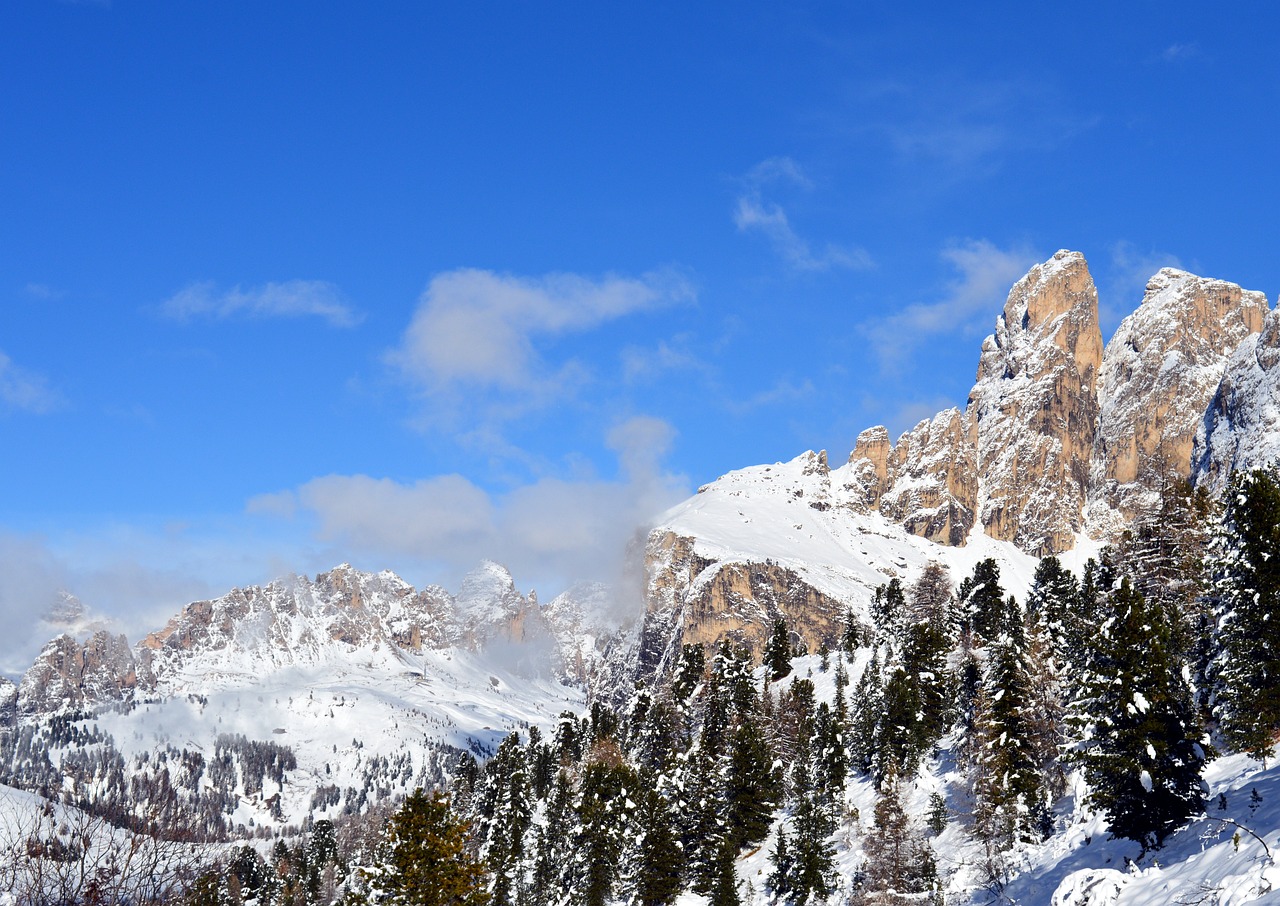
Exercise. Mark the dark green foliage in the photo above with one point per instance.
(777, 653)
(693, 662)
(981, 604)
(889, 610)
(752, 789)
(1008, 788)
(1141, 741)
(660, 860)
(425, 859)
(1247, 592)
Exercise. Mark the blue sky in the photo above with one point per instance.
(410, 284)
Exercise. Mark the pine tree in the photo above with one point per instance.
(1141, 741)
(813, 857)
(752, 790)
(424, 860)
(981, 604)
(900, 866)
(1008, 788)
(889, 611)
(659, 860)
(777, 653)
(506, 812)
(1247, 591)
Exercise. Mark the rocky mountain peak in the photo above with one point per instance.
(1159, 373)
(1055, 304)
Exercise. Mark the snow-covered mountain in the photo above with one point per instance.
(1062, 445)
(331, 692)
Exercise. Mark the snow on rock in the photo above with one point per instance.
(1035, 407)
(1241, 429)
(790, 539)
(1159, 373)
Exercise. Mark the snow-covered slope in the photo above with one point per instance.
(788, 540)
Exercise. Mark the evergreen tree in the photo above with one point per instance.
(812, 855)
(1247, 590)
(424, 859)
(603, 813)
(889, 611)
(777, 653)
(658, 859)
(981, 603)
(900, 868)
(1141, 742)
(506, 812)
(752, 790)
(689, 671)
(866, 713)
(1009, 804)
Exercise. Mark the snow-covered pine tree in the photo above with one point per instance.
(1246, 588)
(777, 653)
(1141, 743)
(900, 868)
(1008, 790)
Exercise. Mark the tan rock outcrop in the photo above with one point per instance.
(934, 476)
(693, 600)
(1159, 373)
(1035, 407)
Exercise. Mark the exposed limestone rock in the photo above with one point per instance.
(1035, 407)
(67, 674)
(869, 477)
(934, 476)
(1159, 373)
(1241, 429)
(693, 600)
(1017, 459)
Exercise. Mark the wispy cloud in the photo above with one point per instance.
(290, 299)
(753, 213)
(966, 125)
(25, 390)
(641, 364)
(554, 530)
(969, 302)
(784, 391)
(1176, 53)
(42, 291)
(1124, 280)
(482, 337)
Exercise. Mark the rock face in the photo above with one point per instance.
(1035, 406)
(695, 600)
(67, 674)
(1058, 438)
(8, 703)
(1016, 461)
(933, 488)
(1241, 429)
(1159, 374)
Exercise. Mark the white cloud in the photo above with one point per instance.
(553, 531)
(753, 213)
(970, 302)
(43, 292)
(642, 364)
(1175, 53)
(290, 299)
(475, 331)
(127, 579)
(25, 390)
